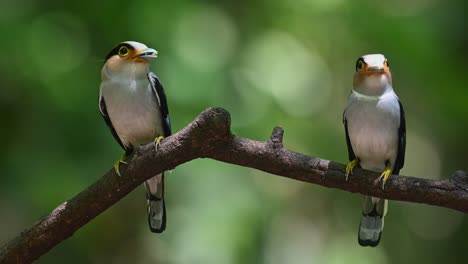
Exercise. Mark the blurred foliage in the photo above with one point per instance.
(287, 63)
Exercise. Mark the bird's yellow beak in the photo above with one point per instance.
(146, 55)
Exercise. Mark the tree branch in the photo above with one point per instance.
(209, 136)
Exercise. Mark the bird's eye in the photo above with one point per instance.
(359, 66)
(386, 63)
(123, 51)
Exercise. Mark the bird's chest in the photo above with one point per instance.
(133, 111)
(373, 132)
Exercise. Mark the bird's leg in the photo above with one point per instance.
(157, 141)
(385, 174)
(120, 161)
(351, 165)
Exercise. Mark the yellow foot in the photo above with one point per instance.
(384, 176)
(120, 161)
(157, 141)
(350, 167)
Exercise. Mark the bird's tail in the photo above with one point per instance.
(372, 221)
(156, 206)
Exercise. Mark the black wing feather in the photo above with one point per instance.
(400, 159)
(351, 154)
(103, 110)
(162, 101)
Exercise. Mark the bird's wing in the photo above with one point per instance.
(351, 154)
(103, 110)
(155, 186)
(400, 159)
(162, 102)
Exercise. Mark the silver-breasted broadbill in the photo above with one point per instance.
(375, 129)
(133, 104)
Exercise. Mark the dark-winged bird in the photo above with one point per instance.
(375, 129)
(134, 106)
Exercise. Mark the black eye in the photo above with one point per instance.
(386, 63)
(359, 65)
(123, 51)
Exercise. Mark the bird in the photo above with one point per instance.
(134, 106)
(375, 127)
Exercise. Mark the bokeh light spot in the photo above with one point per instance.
(58, 43)
(204, 38)
(432, 223)
(296, 76)
(293, 237)
(422, 157)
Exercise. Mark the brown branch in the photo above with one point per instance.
(209, 136)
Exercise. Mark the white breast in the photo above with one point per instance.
(373, 124)
(133, 110)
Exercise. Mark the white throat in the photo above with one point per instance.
(373, 87)
(127, 71)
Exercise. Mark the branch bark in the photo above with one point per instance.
(209, 136)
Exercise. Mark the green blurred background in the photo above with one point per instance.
(269, 63)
